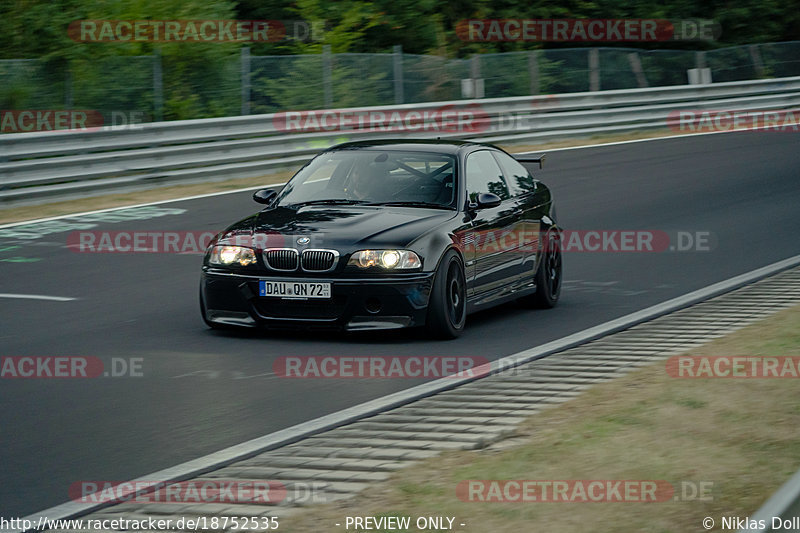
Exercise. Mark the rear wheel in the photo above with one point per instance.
(548, 275)
(447, 307)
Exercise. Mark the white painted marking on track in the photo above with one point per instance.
(615, 143)
(37, 297)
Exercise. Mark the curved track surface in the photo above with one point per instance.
(204, 390)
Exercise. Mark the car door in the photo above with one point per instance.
(491, 248)
(532, 204)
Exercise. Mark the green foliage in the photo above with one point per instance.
(286, 83)
(203, 79)
(197, 77)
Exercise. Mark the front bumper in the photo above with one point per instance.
(355, 303)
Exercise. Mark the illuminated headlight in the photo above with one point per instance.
(389, 259)
(232, 255)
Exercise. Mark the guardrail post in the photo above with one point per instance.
(594, 69)
(638, 71)
(533, 71)
(397, 58)
(67, 87)
(158, 87)
(475, 73)
(475, 67)
(245, 68)
(327, 72)
(699, 60)
(757, 63)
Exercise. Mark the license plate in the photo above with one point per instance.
(294, 289)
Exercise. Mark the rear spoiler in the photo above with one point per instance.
(524, 158)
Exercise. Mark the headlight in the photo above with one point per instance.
(232, 255)
(388, 259)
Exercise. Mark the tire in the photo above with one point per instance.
(447, 307)
(549, 274)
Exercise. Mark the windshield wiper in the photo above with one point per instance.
(330, 201)
(413, 204)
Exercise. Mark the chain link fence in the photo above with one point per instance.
(29, 83)
(245, 84)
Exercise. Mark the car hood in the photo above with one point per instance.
(337, 227)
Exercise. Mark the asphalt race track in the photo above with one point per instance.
(204, 390)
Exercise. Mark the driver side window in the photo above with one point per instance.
(484, 175)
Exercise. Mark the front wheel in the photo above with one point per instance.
(447, 307)
(548, 275)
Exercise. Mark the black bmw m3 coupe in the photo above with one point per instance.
(388, 234)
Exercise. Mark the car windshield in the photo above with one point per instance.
(375, 177)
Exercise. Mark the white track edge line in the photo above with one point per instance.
(36, 297)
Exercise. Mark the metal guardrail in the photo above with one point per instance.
(40, 164)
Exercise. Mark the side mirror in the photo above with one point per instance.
(487, 200)
(265, 196)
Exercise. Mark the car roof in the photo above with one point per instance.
(451, 146)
